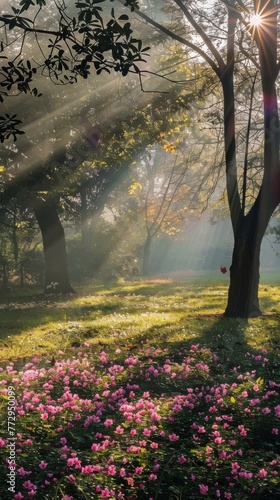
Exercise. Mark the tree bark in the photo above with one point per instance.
(84, 221)
(56, 269)
(146, 255)
(243, 299)
(249, 229)
(5, 278)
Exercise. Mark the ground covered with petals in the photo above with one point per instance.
(149, 417)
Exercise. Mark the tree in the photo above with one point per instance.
(171, 183)
(71, 39)
(77, 43)
(56, 270)
(245, 42)
(21, 259)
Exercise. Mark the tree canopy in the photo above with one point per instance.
(234, 45)
(72, 40)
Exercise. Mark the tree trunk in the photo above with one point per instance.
(5, 277)
(243, 299)
(146, 255)
(56, 270)
(84, 222)
(249, 229)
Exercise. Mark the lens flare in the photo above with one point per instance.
(256, 20)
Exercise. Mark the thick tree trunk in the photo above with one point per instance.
(243, 299)
(56, 270)
(249, 229)
(146, 255)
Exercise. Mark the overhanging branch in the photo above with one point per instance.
(178, 38)
(201, 33)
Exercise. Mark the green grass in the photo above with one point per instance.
(158, 311)
(163, 341)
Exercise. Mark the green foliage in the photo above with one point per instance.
(76, 45)
(8, 127)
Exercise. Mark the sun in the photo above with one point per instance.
(256, 20)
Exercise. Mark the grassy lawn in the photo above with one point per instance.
(140, 390)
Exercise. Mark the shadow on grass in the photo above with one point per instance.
(187, 305)
(237, 343)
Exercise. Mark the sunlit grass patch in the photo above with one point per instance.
(160, 311)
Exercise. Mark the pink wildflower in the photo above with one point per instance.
(203, 489)
(146, 432)
(173, 437)
(130, 481)
(105, 493)
(277, 411)
(122, 472)
(28, 441)
(112, 470)
(43, 464)
(266, 410)
(154, 445)
(108, 422)
(234, 467)
(29, 485)
(242, 430)
(2, 442)
(152, 477)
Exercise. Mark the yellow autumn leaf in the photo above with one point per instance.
(169, 147)
(134, 186)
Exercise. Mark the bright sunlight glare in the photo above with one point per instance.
(256, 20)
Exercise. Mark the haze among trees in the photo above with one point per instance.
(127, 136)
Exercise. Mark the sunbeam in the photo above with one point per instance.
(256, 20)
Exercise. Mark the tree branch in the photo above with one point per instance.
(178, 38)
(201, 33)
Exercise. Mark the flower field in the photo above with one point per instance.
(167, 415)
